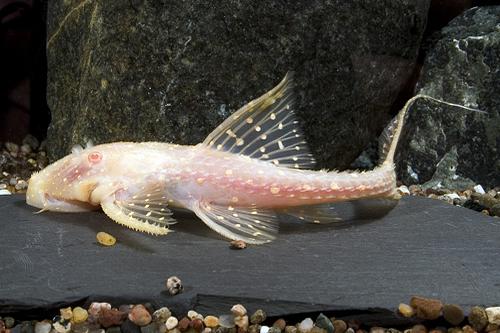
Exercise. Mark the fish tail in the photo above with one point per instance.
(389, 138)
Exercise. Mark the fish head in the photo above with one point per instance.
(67, 184)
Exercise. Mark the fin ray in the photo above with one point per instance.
(145, 211)
(250, 224)
(267, 129)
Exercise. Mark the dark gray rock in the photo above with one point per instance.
(53, 260)
(462, 68)
(172, 71)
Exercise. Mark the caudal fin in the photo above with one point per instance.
(389, 138)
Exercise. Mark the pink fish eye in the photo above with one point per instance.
(95, 157)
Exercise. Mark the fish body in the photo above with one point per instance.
(251, 168)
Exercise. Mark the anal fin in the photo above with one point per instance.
(320, 214)
(250, 224)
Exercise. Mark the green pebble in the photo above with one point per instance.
(113, 329)
(325, 323)
(9, 322)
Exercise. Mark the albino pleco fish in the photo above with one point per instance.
(252, 167)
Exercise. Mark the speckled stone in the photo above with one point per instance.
(179, 69)
(258, 317)
(477, 318)
(436, 132)
(162, 314)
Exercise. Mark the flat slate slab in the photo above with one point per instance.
(422, 247)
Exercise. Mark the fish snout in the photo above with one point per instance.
(35, 195)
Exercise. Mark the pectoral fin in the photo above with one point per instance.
(250, 224)
(144, 212)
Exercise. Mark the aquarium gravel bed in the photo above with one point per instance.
(422, 247)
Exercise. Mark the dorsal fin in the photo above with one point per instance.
(267, 129)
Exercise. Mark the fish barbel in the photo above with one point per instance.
(252, 167)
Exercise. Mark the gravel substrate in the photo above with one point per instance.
(430, 315)
(18, 162)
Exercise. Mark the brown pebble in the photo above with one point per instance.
(419, 328)
(2, 326)
(197, 324)
(426, 308)
(280, 323)
(238, 244)
(376, 329)
(111, 317)
(317, 329)
(453, 314)
(340, 326)
(139, 315)
(291, 329)
(183, 324)
(455, 330)
(354, 324)
(478, 318)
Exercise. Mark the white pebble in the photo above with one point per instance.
(194, 315)
(479, 189)
(264, 329)
(171, 323)
(4, 192)
(403, 189)
(493, 315)
(60, 328)
(43, 327)
(452, 196)
(21, 185)
(306, 325)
